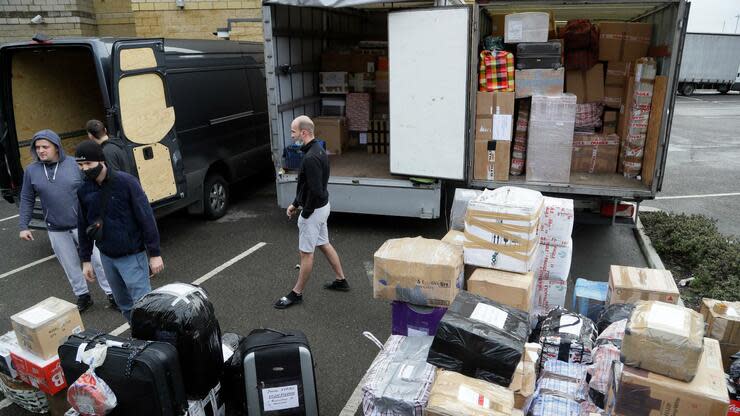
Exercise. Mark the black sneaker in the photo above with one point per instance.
(112, 302)
(340, 285)
(288, 300)
(84, 302)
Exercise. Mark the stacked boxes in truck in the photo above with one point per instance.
(433, 79)
(192, 114)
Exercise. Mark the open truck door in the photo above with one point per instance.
(429, 97)
(146, 118)
(6, 190)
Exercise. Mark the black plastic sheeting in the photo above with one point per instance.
(614, 313)
(480, 338)
(182, 315)
(735, 376)
(232, 381)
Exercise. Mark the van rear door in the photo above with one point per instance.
(428, 94)
(146, 117)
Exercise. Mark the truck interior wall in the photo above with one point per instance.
(54, 89)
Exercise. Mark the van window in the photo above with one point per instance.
(204, 95)
(145, 117)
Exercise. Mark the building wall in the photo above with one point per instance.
(197, 20)
(142, 18)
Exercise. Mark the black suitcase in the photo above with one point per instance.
(144, 375)
(233, 389)
(279, 374)
(541, 55)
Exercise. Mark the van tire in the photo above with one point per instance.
(215, 196)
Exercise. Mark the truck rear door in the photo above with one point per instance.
(429, 94)
(146, 117)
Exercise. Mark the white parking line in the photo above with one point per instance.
(698, 196)
(123, 328)
(9, 218)
(6, 274)
(5, 403)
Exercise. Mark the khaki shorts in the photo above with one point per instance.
(313, 231)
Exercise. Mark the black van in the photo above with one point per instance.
(192, 113)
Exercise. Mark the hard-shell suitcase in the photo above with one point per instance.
(144, 375)
(279, 376)
(541, 55)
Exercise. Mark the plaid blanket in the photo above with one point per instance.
(588, 116)
(496, 71)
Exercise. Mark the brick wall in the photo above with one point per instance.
(114, 18)
(61, 18)
(197, 20)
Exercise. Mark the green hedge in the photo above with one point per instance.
(692, 246)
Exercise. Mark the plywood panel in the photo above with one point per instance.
(155, 174)
(54, 90)
(145, 117)
(653, 134)
(137, 58)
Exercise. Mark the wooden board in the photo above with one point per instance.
(624, 115)
(137, 58)
(61, 99)
(145, 117)
(357, 163)
(650, 154)
(155, 174)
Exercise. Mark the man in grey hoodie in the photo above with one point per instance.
(54, 178)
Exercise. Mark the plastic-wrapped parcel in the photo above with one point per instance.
(567, 336)
(614, 313)
(399, 380)
(480, 338)
(460, 207)
(182, 315)
(454, 394)
(664, 338)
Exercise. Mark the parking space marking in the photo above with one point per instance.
(10, 218)
(123, 328)
(5, 403)
(698, 196)
(6, 274)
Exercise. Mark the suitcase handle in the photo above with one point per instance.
(276, 331)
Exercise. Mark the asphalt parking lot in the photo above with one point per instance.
(703, 166)
(249, 256)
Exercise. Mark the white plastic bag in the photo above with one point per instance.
(90, 395)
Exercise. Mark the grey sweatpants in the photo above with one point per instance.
(64, 244)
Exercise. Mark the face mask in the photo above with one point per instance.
(93, 173)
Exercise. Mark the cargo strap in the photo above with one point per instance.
(131, 357)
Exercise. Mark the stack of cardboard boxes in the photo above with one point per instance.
(29, 353)
(493, 132)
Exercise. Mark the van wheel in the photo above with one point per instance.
(215, 196)
(724, 89)
(687, 89)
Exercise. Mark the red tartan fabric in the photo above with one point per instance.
(589, 115)
(496, 72)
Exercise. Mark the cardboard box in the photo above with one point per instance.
(723, 320)
(42, 328)
(454, 237)
(332, 130)
(492, 160)
(361, 82)
(525, 377)
(640, 392)
(553, 262)
(595, 153)
(588, 86)
(8, 342)
(617, 73)
(624, 41)
(613, 97)
(556, 225)
(665, 339)
(454, 394)
(610, 122)
(486, 104)
(484, 128)
(550, 294)
(418, 271)
(526, 27)
(333, 82)
(630, 284)
(363, 62)
(58, 404)
(512, 289)
(498, 24)
(336, 61)
(530, 82)
(550, 141)
(44, 374)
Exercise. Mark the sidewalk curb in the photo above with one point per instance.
(646, 246)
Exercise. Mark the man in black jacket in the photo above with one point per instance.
(113, 148)
(313, 197)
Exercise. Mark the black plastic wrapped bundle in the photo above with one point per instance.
(614, 313)
(232, 379)
(182, 315)
(567, 336)
(480, 338)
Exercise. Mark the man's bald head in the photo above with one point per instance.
(302, 128)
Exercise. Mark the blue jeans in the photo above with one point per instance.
(128, 277)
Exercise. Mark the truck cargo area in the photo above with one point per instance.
(53, 88)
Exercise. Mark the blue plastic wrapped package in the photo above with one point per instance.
(589, 298)
(182, 315)
(413, 320)
(399, 381)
